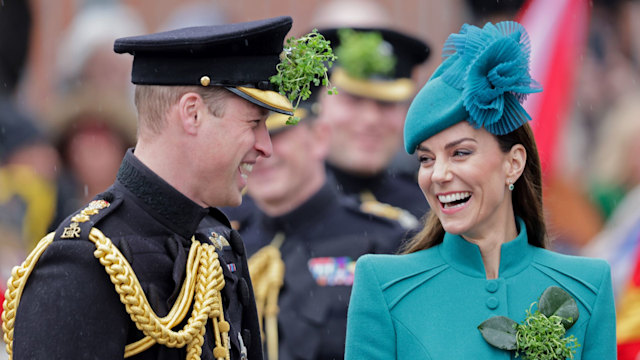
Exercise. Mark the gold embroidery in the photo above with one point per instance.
(79, 218)
(218, 241)
(71, 232)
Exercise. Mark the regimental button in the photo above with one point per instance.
(492, 286)
(492, 303)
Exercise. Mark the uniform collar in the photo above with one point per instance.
(465, 257)
(354, 184)
(307, 214)
(161, 200)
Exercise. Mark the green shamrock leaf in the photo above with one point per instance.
(499, 331)
(555, 301)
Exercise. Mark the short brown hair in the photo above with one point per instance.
(153, 103)
(526, 200)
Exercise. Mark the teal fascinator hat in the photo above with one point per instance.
(483, 79)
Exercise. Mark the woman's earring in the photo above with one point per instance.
(511, 186)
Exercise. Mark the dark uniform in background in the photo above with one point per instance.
(321, 240)
(399, 189)
(69, 308)
(318, 242)
(395, 184)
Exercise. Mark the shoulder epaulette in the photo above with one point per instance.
(403, 217)
(80, 223)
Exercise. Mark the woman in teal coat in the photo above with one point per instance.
(482, 250)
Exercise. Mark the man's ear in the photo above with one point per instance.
(190, 110)
(516, 160)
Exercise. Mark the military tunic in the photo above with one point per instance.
(322, 240)
(70, 309)
(399, 190)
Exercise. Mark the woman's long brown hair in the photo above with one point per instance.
(526, 198)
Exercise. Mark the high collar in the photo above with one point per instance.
(465, 256)
(352, 183)
(306, 215)
(166, 204)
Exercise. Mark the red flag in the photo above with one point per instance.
(558, 30)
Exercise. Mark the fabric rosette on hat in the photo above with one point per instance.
(484, 79)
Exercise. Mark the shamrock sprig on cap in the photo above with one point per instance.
(365, 54)
(304, 61)
(541, 335)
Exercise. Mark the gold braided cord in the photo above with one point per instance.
(181, 306)
(204, 278)
(266, 270)
(15, 286)
(137, 305)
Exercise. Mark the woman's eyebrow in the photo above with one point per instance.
(449, 145)
(458, 142)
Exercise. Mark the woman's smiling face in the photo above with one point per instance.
(464, 176)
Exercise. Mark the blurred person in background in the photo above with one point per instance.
(373, 75)
(92, 129)
(616, 190)
(85, 56)
(91, 119)
(28, 164)
(304, 238)
(27, 161)
(581, 196)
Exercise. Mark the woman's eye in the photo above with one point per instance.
(425, 159)
(459, 153)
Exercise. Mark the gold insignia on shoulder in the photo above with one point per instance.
(97, 205)
(71, 232)
(80, 218)
(218, 241)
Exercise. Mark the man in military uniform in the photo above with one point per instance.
(151, 269)
(304, 238)
(367, 114)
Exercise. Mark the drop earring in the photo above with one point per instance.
(511, 186)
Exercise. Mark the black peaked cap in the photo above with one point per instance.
(241, 54)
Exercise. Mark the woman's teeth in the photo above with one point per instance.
(455, 199)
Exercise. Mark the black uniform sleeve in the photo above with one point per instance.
(69, 308)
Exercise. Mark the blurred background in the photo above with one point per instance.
(67, 112)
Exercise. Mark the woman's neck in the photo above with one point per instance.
(490, 246)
